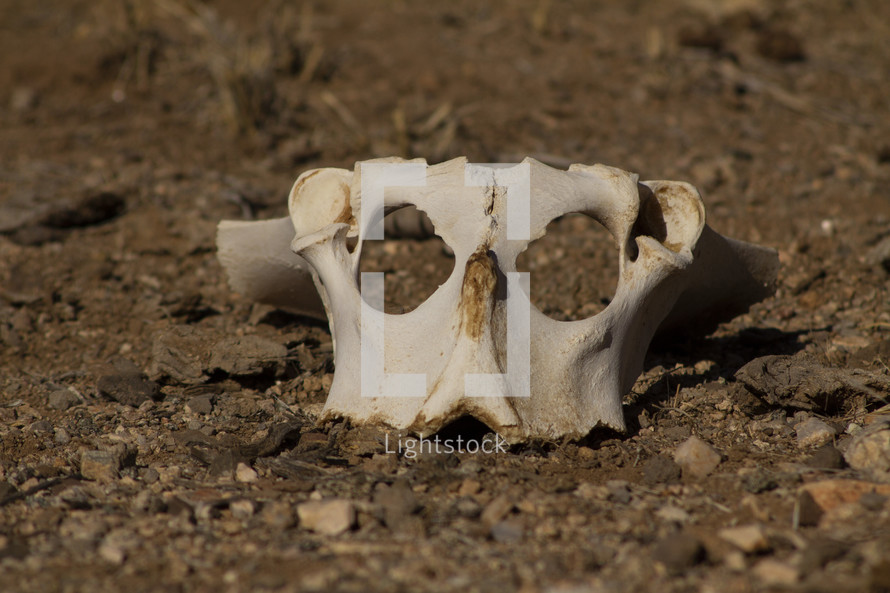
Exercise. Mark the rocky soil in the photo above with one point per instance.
(159, 432)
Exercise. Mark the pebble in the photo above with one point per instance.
(180, 353)
(673, 513)
(496, 510)
(245, 474)
(200, 404)
(696, 457)
(112, 553)
(242, 509)
(102, 466)
(870, 452)
(150, 475)
(775, 573)
(678, 553)
(750, 539)
(129, 387)
(327, 517)
(735, 560)
(829, 494)
(62, 399)
(41, 426)
(814, 433)
(469, 487)
(247, 355)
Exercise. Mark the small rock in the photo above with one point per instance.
(661, 469)
(829, 494)
(469, 487)
(757, 480)
(102, 466)
(813, 433)
(180, 353)
(327, 517)
(678, 553)
(735, 561)
(150, 475)
(41, 426)
(696, 457)
(798, 382)
(200, 404)
(826, 457)
(61, 437)
(368, 440)
(672, 513)
(775, 573)
(748, 538)
(245, 474)
(128, 385)
(508, 531)
(112, 553)
(248, 355)
(242, 509)
(870, 452)
(62, 399)
(496, 510)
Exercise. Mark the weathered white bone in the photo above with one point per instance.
(673, 270)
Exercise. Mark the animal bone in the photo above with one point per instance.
(478, 347)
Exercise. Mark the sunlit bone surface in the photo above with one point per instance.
(674, 272)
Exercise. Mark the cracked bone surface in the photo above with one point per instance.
(478, 347)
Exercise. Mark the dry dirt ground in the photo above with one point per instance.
(157, 430)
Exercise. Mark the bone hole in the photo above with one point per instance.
(573, 268)
(467, 428)
(414, 260)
